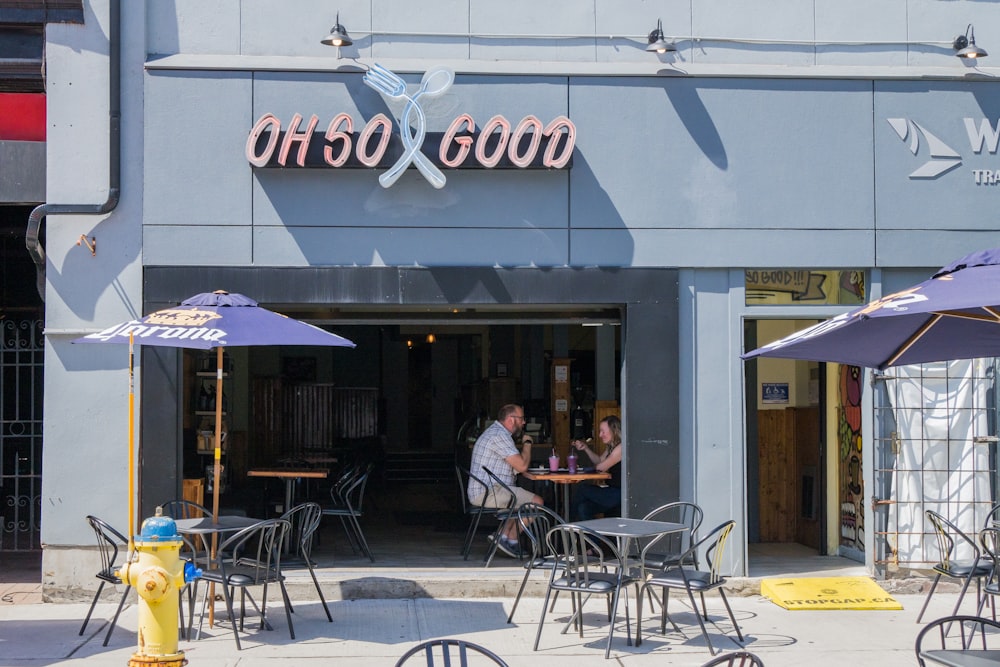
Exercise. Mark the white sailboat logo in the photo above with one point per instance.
(944, 158)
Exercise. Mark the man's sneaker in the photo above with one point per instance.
(509, 547)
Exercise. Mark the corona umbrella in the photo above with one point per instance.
(205, 321)
(953, 315)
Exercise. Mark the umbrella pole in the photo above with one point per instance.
(217, 471)
(131, 440)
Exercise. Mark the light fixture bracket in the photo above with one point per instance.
(338, 35)
(657, 43)
(965, 45)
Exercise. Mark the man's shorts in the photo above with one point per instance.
(499, 497)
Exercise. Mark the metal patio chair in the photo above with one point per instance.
(657, 553)
(502, 515)
(536, 521)
(350, 509)
(196, 548)
(938, 643)
(474, 512)
(689, 578)
(989, 538)
(256, 561)
(108, 542)
(587, 564)
(966, 570)
(304, 520)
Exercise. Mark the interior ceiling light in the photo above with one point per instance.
(656, 41)
(338, 35)
(965, 45)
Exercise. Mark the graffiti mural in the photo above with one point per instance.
(852, 523)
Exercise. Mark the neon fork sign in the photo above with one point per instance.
(434, 82)
(494, 145)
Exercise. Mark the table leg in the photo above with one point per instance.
(289, 488)
(566, 503)
(211, 605)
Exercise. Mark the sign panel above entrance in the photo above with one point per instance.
(381, 144)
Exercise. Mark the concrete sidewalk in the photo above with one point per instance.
(376, 632)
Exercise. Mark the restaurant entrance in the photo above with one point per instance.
(411, 405)
(496, 333)
(786, 412)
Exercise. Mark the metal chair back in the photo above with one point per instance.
(450, 652)
(736, 659)
(663, 550)
(939, 643)
(185, 509)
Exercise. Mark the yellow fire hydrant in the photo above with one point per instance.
(158, 574)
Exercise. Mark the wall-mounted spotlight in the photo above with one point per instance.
(965, 45)
(431, 338)
(656, 41)
(338, 35)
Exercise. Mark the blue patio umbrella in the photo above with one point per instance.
(953, 315)
(209, 320)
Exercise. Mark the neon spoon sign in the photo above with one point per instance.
(531, 144)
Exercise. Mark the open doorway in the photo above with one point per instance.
(787, 409)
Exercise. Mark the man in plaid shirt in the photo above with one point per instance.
(494, 449)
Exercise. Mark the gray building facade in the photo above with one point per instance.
(779, 136)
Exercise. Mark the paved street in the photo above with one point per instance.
(376, 632)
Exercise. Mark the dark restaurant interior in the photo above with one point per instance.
(410, 400)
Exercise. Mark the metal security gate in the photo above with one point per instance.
(935, 448)
(21, 365)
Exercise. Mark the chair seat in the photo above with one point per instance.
(110, 577)
(241, 575)
(697, 580)
(598, 583)
(541, 563)
(661, 561)
(340, 511)
(964, 568)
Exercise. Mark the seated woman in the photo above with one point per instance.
(591, 499)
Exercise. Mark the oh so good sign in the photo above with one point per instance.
(496, 145)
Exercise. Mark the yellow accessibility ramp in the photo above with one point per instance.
(827, 593)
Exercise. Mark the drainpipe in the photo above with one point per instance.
(31, 240)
